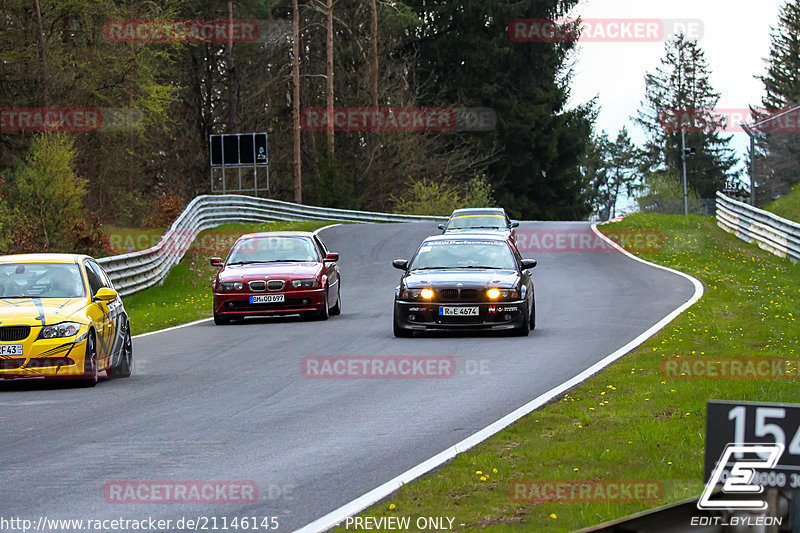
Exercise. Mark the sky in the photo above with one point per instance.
(735, 36)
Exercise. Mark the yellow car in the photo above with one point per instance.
(60, 317)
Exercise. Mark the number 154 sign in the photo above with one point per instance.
(752, 446)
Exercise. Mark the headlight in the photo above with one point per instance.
(231, 285)
(495, 293)
(305, 283)
(65, 329)
(413, 294)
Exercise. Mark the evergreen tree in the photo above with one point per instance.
(467, 58)
(679, 98)
(611, 170)
(782, 80)
(777, 154)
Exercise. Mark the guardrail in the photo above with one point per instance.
(135, 271)
(771, 232)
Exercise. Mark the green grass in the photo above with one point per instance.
(185, 294)
(788, 206)
(629, 422)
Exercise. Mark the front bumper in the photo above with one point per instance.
(46, 358)
(424, 316)
(237, 304)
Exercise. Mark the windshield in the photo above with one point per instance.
(463, 254)
(41, 280)
(273, 249)
(478, 221)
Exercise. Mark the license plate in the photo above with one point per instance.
(458, 311)
(10, 349)
(267, 299)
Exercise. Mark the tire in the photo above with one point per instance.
(525, 328)
(90, 367)
(533, 315)
(220, 321)
(124, 367)
(325, 312)
(398, 331)
(336, 310)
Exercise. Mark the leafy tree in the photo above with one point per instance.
(50, 191)
(441, 197)
(662, 192)
(679, 97)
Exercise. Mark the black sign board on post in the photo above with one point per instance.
(239, 151)
(755, 423)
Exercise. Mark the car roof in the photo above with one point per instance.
(277, 234)
(479, 211)
(43, 258)
(469, 235)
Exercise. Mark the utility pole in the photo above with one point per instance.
(685, 188)
(297, 163)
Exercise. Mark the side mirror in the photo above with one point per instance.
(400, 264)
(216, 262)
(331, 257)
(514, 225)
(441, 227)
(105, 294)
(528, 263)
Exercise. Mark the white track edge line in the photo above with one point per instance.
(335, 517)
(207, 319)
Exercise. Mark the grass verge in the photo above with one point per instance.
(629, 422)
(788, 206)
(185, 294)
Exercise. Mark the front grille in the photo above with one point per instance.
(459, 295)
(448, 294)
(258, 285)
(469, 294)
(14, 333)
(275, 284)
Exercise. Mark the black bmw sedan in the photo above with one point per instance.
(470, 281)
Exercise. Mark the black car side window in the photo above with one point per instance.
(95, 282)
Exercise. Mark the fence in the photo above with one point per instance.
(771, 232)
(135, 271)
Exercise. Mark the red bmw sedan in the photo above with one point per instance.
(277, 273)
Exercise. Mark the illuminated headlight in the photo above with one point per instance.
(413, 294)
(231, 285)
(305, 283)
(65, 329)
(495, 293)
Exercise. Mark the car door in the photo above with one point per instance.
(99, 313)
(331, 271)
(116, 314)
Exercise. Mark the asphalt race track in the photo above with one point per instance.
(230, 403)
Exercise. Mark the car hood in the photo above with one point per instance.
(38, 311)
(273, 270)
(477, 278)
